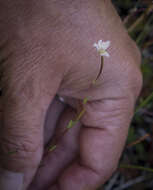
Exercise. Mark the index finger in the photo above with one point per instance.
(102, 139)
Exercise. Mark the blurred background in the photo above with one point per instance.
(135, 170)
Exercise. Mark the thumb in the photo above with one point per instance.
(27, 92)
(9, 179)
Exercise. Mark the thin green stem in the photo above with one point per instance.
(140, 19)
(85, 100)
(145, 102)
(136, 167)
(144, 31)
(80, 115)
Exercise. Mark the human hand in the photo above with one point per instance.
(50, 52)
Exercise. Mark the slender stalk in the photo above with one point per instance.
(136, 167)
(145, 102)
(85, 100)
(144, 31)
(140, 19)
(100, 71)
(80, 115)
(139, 140)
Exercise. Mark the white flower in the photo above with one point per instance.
(102, 47)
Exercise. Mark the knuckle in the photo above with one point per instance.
(133, 80)
(136, 54)
(21, 140)
(19, 152)
(136, 81)
(107, 112)
(139, 82)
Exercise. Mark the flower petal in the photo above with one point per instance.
(105, 45)
(100, 44)
(105, 54)
(95, 45)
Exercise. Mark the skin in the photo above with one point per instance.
(47, 49)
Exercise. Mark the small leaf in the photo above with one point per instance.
(70, 125)
(52, 148)
(85, 100)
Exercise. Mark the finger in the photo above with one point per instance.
(67, 149)
(28, 89)
(102, 139)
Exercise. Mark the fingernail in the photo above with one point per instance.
(10, 180)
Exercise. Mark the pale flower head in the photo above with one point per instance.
(102, 47)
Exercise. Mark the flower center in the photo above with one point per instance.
(101, 51)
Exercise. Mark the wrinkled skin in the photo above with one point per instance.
(47, 49)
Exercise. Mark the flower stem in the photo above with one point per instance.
(79, 116)
(100, 71)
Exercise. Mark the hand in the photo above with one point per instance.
(50, 52)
